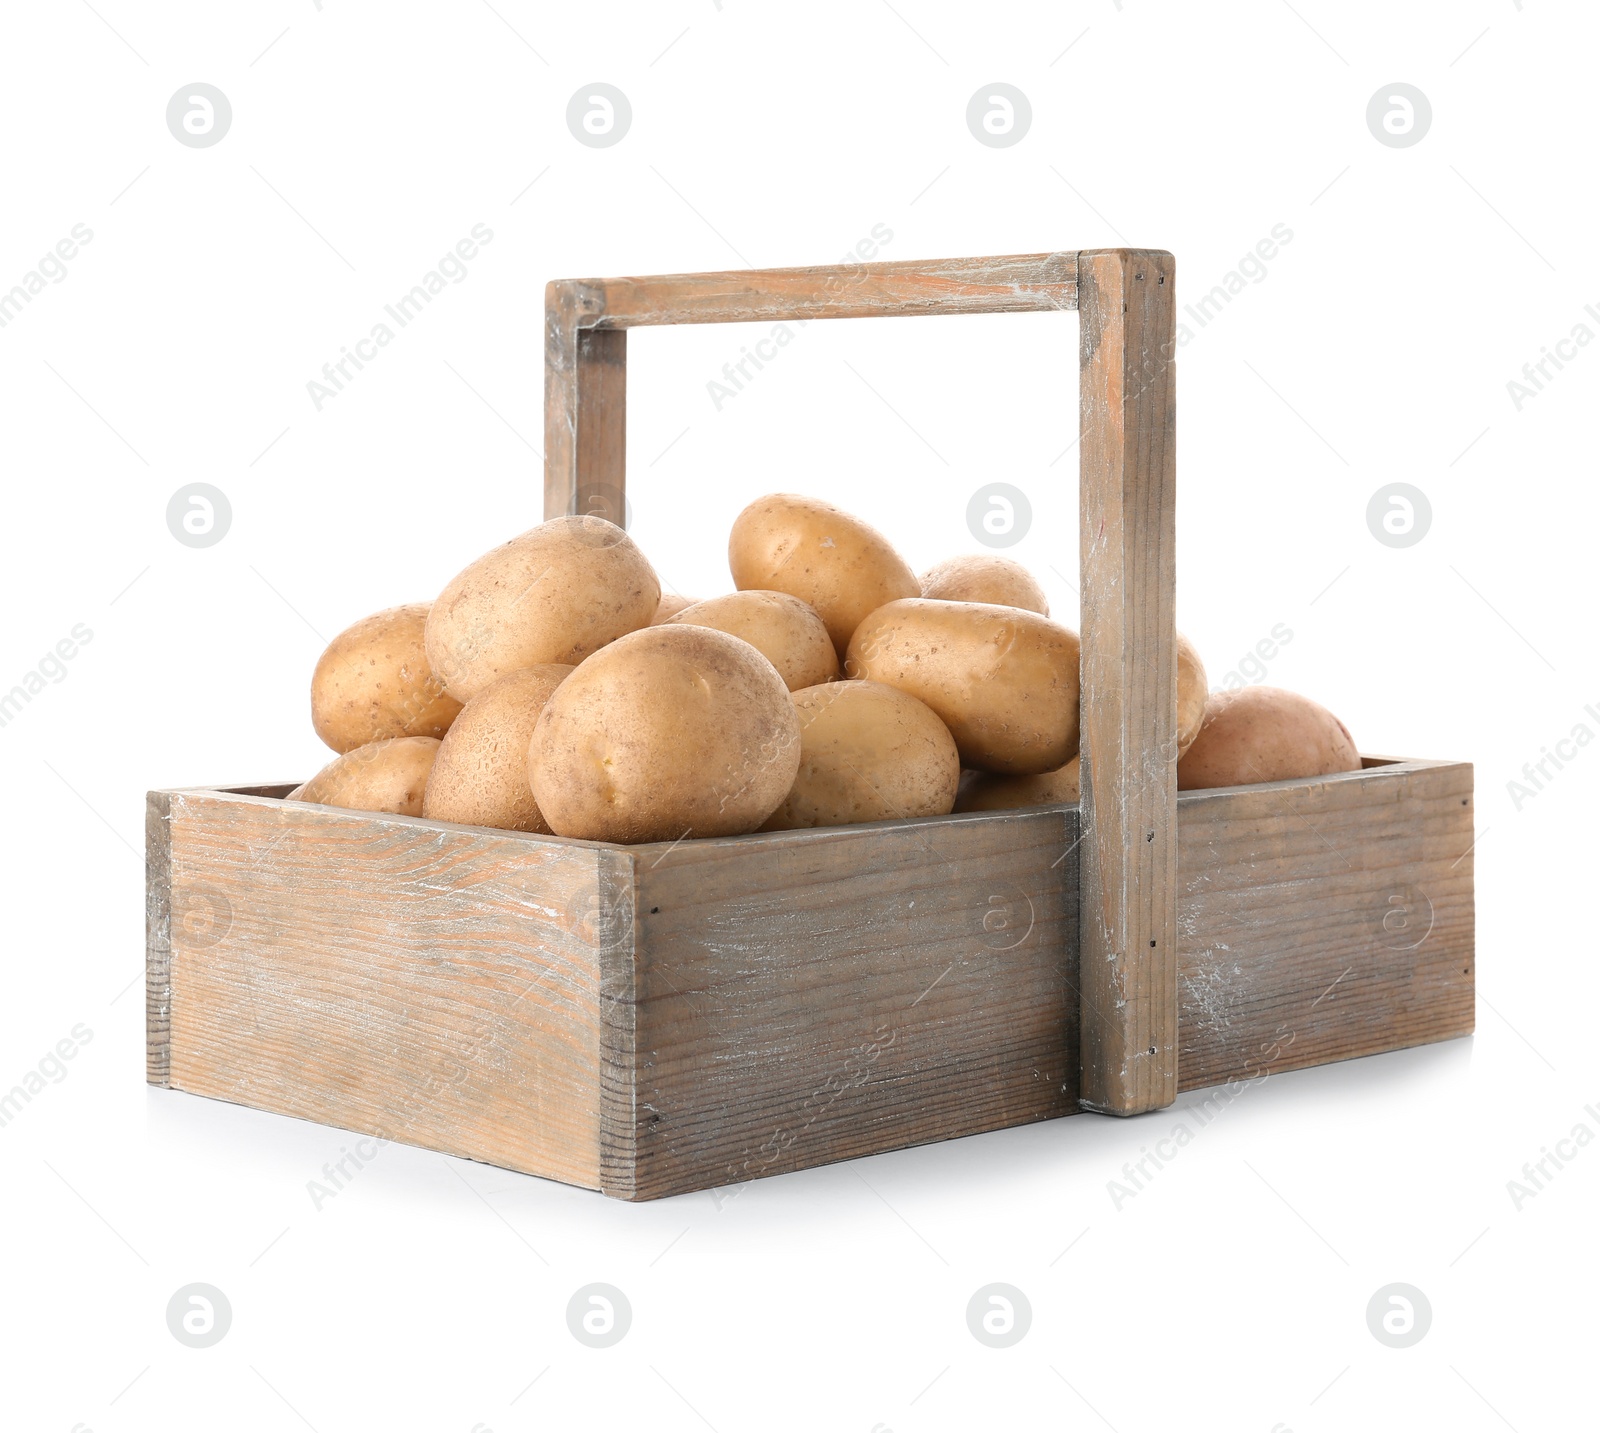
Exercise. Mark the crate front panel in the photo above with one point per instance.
(811, 997)
(430, 984)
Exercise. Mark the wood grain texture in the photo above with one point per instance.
(585, 413)
(1127, 507)
(809, 996)
(1331, 918)
(433, 984)
(1016, 283)
(157, 938)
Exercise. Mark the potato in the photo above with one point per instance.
(480, 777)
(828, 559)
(867, 753)
(988, 792)
(1256, 734)
(669, 732)
(381, 776)
(1191, 693)
(670, 605)
(782, 628)
(555, 594)
(1003, 680)
(374, 682)
(985, 577)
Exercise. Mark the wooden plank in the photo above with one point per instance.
(585, 408)
(805, 997)
(617, 1076)
(1127, 507)
(1329, 918)
(810, 996)
(157, 938)
(1015, 283)
(433, 984)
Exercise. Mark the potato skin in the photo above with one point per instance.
(787, 632)
(670, 605)
(668, 732)
(1003, 680)
(480, 776)
(985, 577)
(868, 752)
(831, 561)
(1191, 693)
(986, 791)
(1256, 734)
(381, 776)
(553, 595)
(373, 682)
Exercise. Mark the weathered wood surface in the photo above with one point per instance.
(157, 938)
(1127, 507)
(407, 979)
(1013, 283)
(1333, 918)
(653, 1020)
(809, 996)
(585, 409)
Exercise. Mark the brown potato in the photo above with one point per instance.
(867, 753)
(782, 628)
(1191, 693)
(381, 776)
(553, 595)
(985, 577)
(480, 777)
(669, 732)
(1265, 734)
(833, 562)
(989, 792)
(374, 682)
(1004, 681)
(670, 605)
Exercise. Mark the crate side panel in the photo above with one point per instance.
(815, 996)
(435, 985)
(157, 938)
(1322, 920)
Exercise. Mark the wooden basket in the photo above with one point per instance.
(648, 1020)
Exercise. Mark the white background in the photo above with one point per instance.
(367, 140)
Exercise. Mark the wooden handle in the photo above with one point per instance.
(1127, 417)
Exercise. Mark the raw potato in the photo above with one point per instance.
(374, 682)
(1191, 693)
(988, 792)
(670, 605)
(1003, 680)
(381, 776)
(985, 577)
(782, 628)
(835, 563)
(556, 594)
(867, 753)
(1265, 734)
(670, 732)
(480, 777)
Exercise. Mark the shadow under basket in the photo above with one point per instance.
(648, 1020)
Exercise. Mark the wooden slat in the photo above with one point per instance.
(1129, 699)
(617, 1078)
(586, 379)
(157, 938)
(1336, 915)
(432, 984)
(1015, 283)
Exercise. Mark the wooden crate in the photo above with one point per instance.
(649, 1020)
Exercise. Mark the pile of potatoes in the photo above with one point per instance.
(552, 688)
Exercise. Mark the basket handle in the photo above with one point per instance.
(1127, 849)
